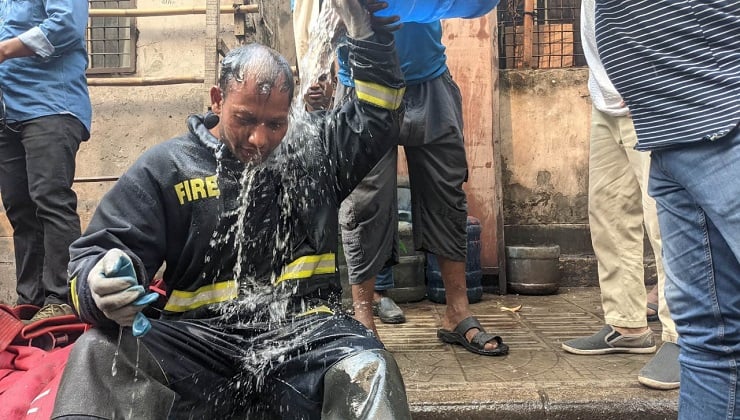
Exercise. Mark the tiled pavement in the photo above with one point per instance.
(537, 380)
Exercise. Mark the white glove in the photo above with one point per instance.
(116, 292)
(355, 17)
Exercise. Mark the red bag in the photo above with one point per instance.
(52, 332)
(32, 358)
(46, 334)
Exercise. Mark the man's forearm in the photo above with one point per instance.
(14, 48)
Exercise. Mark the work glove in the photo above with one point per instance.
(116, 292)
(355, 17)
(381, 23)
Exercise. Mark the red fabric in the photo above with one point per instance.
(31, 367)
(10, 326)
(47, 333)
(32, 358)
(30, 379)
(53, 332)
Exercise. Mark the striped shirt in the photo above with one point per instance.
(676, 64)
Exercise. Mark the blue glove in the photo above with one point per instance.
(116, 292)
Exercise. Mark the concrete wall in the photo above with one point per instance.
(544, 126)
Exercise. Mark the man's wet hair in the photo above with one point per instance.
(260, 63)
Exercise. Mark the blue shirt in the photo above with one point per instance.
(52, 81)
(420, 50)
(676, 64)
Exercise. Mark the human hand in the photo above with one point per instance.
(361, 21)
(116, 292)
(355, 17)
(389, 23)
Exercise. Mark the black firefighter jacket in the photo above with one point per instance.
(180, 203)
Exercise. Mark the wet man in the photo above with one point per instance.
(243, 211)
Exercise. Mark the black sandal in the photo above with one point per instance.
(478, 343)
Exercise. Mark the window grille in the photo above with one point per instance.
(540, 34)
(111, 41)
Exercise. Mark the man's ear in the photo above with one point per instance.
(217, 100)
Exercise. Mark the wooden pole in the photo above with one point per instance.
(96, 179)
(498, 193)
(143, 81)
(528, 36)
(150, 81)
(213, 25)
(171, 11)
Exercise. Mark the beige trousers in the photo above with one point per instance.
(618, 205)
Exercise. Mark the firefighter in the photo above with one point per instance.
(242, 210)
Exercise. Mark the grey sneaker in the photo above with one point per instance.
(388, 311)
(662, 371)
(51, 310)
(608, 340)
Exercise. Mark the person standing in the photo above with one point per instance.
(618, 204)
(677, 66)
(432, 136)
(46, 114)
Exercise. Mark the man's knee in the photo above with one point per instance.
(372, 385)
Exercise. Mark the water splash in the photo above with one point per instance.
(326, 33)
(136, 379)
(114, 367)
(260, 229)
(281, 179)
(264, 204)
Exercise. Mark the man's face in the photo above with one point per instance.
(320, 93)
(252, 123)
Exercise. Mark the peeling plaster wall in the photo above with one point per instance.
(545, 119)
(544, 127)
(129, 120)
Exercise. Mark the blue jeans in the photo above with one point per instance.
(697, 189)
(384, 279)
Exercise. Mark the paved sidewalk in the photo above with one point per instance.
(537, 380)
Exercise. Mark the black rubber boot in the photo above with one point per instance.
(367, 385)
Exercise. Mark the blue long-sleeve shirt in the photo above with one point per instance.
(420, 50)
(52, 81)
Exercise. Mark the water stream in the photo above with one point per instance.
(254, 234)
(325, 35)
